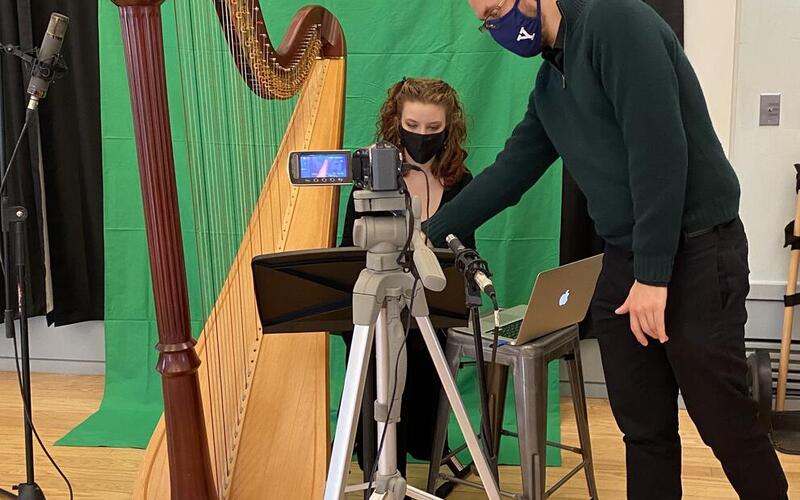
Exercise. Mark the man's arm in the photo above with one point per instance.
(525, 158)
(633, 52)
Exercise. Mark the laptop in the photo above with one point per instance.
(560, 298)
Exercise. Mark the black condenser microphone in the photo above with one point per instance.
(48, 60)
(468, 261)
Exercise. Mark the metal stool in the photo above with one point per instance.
(528, 363)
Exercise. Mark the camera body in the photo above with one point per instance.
(375, 168)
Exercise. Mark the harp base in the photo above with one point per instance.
(378, 298)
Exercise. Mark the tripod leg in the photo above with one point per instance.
(389, 354)
(348, 412)
(450, 388)
(369, 440)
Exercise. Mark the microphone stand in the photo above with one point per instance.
(468, 262)
(14, 235)
(474, 302)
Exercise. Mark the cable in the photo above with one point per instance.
(406, 261)
(16, 149)
(496, 333)
(427, 197)
(10, 164)
(26, 409)
(407, 167)
(394, 385)
(30, 422)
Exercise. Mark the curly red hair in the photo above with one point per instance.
(449, 166)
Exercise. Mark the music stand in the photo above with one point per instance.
(312, 291)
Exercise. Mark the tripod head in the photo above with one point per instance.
(387, 235)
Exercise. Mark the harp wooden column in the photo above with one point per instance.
(246, 416)
(190, 464)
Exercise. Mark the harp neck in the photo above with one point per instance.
(278, 73)
(333, 44)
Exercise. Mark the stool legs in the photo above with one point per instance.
(530, 390)
(581, 416)
(497, 379)
(530, 373)
(453, 354)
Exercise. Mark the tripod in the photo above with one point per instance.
(383, 289)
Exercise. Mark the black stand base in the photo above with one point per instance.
(27, 491)
(786, 432)
(459, 473)
(783, 426)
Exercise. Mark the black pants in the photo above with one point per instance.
(704, 359)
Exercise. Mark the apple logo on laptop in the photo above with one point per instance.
(562, 301)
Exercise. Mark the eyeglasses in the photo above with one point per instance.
(493, 14)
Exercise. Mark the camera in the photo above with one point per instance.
(374, 168)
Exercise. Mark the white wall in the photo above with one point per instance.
(709, 40)
(768, 61)
(76, 348)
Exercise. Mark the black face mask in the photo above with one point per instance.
(422, 147)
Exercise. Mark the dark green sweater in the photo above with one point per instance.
(629, 119)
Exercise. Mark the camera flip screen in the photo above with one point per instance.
(320, 167)
(375, 168)
(323, 166)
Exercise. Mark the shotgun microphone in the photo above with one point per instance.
(48, 64)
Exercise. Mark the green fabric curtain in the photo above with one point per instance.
(386, 41)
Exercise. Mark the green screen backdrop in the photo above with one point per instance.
(386, 41)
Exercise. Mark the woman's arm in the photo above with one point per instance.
(469, 239)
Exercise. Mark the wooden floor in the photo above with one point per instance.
(60, 402)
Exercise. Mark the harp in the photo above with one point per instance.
(245, 415)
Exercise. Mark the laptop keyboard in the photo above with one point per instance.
(509, 331)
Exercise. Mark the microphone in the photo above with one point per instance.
(47, 65)
(469, 262)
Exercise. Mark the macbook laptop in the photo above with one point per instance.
(560, 298)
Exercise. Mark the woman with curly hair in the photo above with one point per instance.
(424, 119)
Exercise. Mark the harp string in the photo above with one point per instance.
(192, 64)
(232, 139)
(228, 193)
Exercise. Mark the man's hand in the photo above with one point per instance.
(646, 305)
